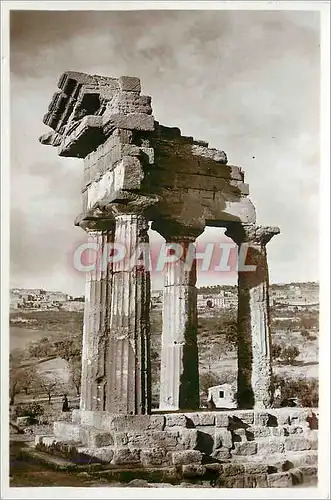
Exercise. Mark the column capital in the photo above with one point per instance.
(251, 233)
(128, 203)
(174, 231)
(90, 225)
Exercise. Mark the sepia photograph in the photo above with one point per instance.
(164, 290)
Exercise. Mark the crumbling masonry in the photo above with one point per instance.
(137, 171)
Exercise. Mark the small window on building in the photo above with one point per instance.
(221, 394)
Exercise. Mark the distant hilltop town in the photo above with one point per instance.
(37, 298)
(290, 295)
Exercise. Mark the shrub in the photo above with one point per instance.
(289, 354)
(208, 379)
(31, 410)
(303, 389)
(276, 351)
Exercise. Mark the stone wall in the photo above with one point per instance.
(265, 448)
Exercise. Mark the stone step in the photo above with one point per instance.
(55, 462)
(280, 462)
(88, 435)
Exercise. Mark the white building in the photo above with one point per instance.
(223, 396)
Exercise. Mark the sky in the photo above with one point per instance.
(245, 81)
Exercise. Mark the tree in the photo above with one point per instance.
(41, 349)
(28, 376)
(210, 379)
(289, 354)
(305, 390)
(75, 368)
(15, 384)
(214, 354)
(49, 384)
(69, 348)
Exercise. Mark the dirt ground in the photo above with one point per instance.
(28, 474)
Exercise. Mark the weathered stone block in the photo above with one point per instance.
(176, 420)
(223, 438)
(297, 443)
(270, 446)
(304, 458)
(280, 480)
(123, 456)
(206, 419)
(121, 439)
(192, 470)
(202, 418)
(99, 439)
(247, 417)
(276, 431)
(154, 457)
(166, 439)
(308, 471)
(222, 420)
(137, 422)
(230, 482)
(133, 121)
(252, 468)
(255, 481)
(104, 454)
(248, 448)
(140, 439)
(258, 432)
(233, 469)
(186, 457)
(189, 439)
(221, 454)
(67, 431)
(261, 418)
(129, 84)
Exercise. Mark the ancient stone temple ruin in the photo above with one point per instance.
(137, 172)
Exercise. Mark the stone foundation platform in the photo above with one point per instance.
(267, 448)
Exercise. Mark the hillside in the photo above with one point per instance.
(216, 337)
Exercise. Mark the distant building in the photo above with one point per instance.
(223, 396)
(217, 301)
(36, 299)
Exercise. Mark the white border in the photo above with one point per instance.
(322, 491)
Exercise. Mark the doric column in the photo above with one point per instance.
(129, 381)
(179, 378)
(254, 339)
(96, 318)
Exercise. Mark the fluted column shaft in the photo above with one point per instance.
(96, 323)
(129, 379)
(254, 338)
(179, 378)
